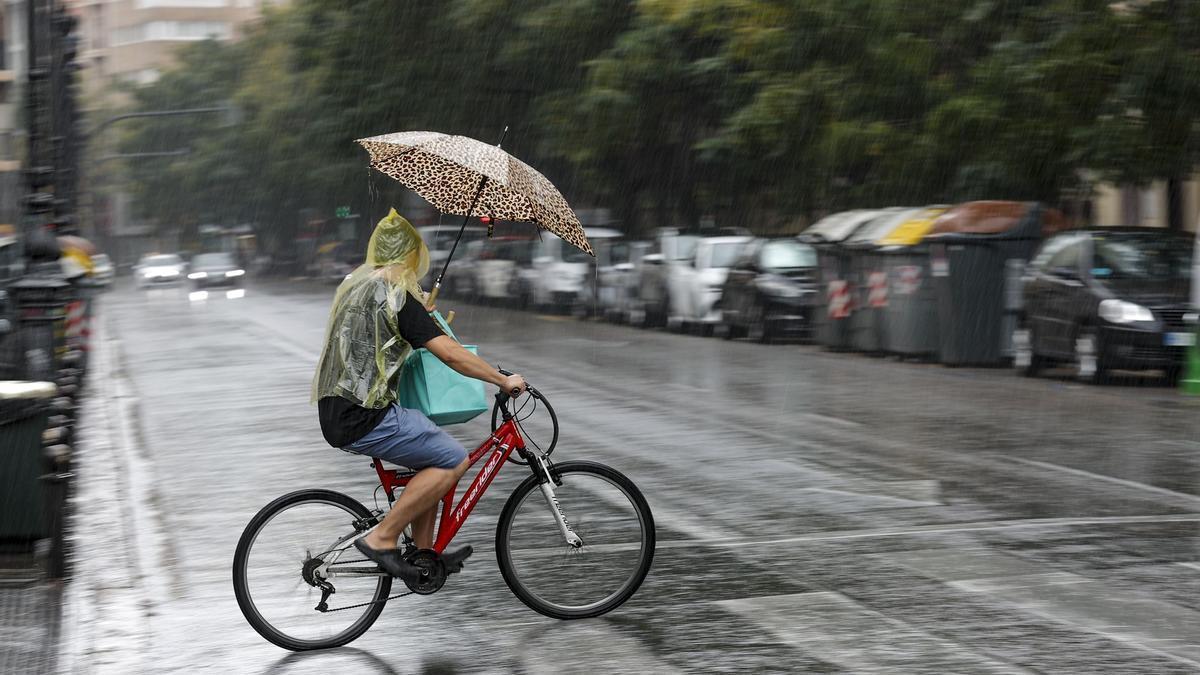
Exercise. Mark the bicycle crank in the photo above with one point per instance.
(433, 572)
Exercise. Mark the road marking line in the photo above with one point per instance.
(1193, 499)
(949, 528)
(839, 630)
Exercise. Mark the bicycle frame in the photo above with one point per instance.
(503, 442)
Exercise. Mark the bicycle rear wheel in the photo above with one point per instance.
(290, 549)
(606, 510)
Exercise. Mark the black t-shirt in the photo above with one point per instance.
(342, 420)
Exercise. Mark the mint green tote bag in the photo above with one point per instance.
(444, 395)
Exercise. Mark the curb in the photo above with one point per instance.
(110, 600)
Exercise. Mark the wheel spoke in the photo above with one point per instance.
(560, 580)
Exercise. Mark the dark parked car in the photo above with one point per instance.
(215, 269)
(1107, 298)
(770, 291)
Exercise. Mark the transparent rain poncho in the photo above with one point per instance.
(363, 350)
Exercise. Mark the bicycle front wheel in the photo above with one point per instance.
(601, 506)
(298, 552)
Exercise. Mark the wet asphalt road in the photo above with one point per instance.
(816, 512)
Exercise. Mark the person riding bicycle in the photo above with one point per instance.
(377, 319)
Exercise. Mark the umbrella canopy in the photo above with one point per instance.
(466, 177)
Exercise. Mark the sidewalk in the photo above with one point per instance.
(108, 604)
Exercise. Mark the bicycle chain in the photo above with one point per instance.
(363, 604)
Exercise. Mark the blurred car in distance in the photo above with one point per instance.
(439, 239)
(495, 266)
(160, 268)
(770, 291)
(619, 261)
(102, 269)
(1107, 298)
(557, 275)
(215, 269)
(669, 250)
(696, 287)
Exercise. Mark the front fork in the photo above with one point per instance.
(541, 468)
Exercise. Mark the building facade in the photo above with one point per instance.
(134, 41)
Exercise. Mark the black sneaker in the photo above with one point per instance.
(391, 561)
(453, 560)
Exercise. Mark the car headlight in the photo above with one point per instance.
(198, 275)
(235, 273)
(1119, 311)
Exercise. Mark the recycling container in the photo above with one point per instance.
(910, 317)
(836, 298)
(23, 413)
(968, 267)
(835, 302)
(866, 323)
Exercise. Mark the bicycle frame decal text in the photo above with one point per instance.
(477, 487)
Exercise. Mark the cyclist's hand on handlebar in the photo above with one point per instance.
(514, 385)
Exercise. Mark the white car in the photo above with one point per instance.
(158, 269)
(557, 277)
(695, 287)
(619, 266)
(102, 269)
(495, 266)
(439, 239)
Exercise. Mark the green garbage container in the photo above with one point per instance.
(23, 413)
(969, 275)
(835, 302)
(866, 325)
(910, 318)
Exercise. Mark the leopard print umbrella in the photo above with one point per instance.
(446, 171)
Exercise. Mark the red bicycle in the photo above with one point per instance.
(579, 549)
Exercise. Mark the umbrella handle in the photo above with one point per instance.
(432, 297)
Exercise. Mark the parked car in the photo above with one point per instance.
(439, 239)
(460, 278)
(770, 291)
(156, 269)
(696, 287)
(557, 275)
(102, 269)
(495, 267)
(669, 250)
(215, 269)
(1106, 298)
(619, 266)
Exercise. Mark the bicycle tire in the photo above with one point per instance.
(504, 553)
(241, 589)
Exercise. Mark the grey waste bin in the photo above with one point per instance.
(836, 298)
(23, 413)
(870, 298)
(969, 280)
(910, 318)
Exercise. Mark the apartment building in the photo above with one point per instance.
(12, 75)
(133, 41)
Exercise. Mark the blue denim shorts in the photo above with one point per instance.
(408, 438)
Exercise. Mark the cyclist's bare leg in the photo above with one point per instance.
(422, 528)
(421, 494)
